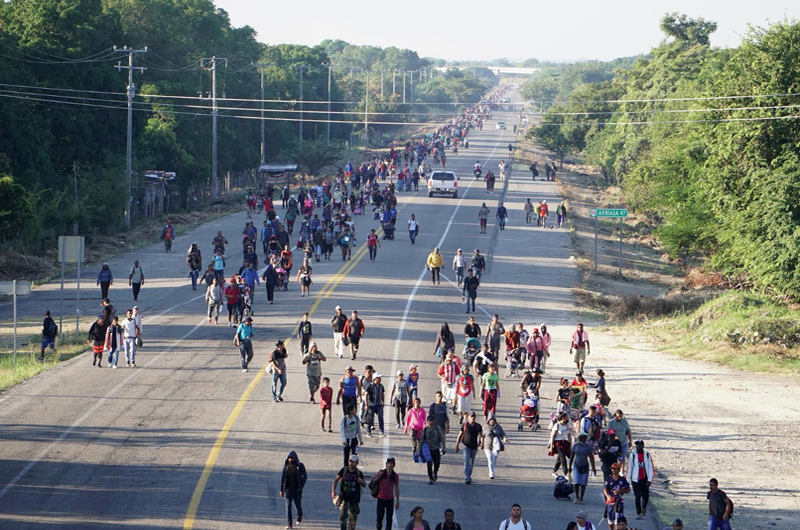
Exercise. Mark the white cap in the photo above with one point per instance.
(338, 307)
(354, 458)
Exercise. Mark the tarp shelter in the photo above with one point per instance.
(276, 173)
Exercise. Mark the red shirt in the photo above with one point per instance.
(325, 397)
(232, 294)
(386, 486)
(642, 472)
(372, 240)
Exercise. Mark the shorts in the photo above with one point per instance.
(579, 355)
(580, 479)
(49, 341)
(449, 392)
(611, 515)
(464, 404)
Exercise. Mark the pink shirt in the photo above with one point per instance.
(578, 336)
(415, 419)
(547, 340)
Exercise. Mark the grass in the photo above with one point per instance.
(28, 351)
(744, 330)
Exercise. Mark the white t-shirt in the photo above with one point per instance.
(129, 328)
(412, 224)
(521, 525)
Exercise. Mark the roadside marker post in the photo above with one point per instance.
(608, 213)
(72, 249)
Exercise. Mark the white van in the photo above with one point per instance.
(443, 183)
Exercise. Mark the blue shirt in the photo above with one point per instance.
(245, 331)
(350, 386)
(218, 262)
(251, 277)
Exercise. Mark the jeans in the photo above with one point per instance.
(113, 355)
(472, 299)
(130, 349)
(491, 459)
(460, 275)
(641, 492)
(246, 351)
(275, 378)
(718, 524)
(412, 234)
(400, 411)
(373, 252)
(295, 496)
(434, 463)
(193, 274)
(385, 508)
(375, 410)
(469, 462)
(104, 289)
(136, 288)
(213, 310)
(502, 222)
(435, 275)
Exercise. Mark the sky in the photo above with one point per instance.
(514, 29)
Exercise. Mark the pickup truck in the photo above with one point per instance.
(443, 183)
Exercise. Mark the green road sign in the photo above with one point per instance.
(608, 212)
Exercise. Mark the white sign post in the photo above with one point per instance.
(71, 249)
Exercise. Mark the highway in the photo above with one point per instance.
(186, 440)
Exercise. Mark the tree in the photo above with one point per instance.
(313, 155)
(688, 30)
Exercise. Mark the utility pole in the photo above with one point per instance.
(302, 66)
(214, 113)
(404, 86)
(261, 67)
(366, 113)
(129, 147)
(76, 225)
(330, 66)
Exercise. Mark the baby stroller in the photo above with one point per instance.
(513, 362)
(388, 231)
(283, 281)
(247, 305)
(529, 414)
(471, 349)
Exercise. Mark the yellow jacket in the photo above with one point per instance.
(435, 260)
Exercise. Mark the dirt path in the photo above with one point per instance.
(699, 420)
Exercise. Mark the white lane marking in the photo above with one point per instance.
(454, 284)
(395, 357)
(91, 411)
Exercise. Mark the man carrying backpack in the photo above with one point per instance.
(168, 236)
(385, 487)
(515, 522)
(49, 334)
(720, 507)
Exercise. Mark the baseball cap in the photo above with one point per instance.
(279, 343)
(354, 458)
(459, 250)
(399, 372)
(583, 514)
(248, 319)
(412, 366)
(312, 344)
(677, 522)
(583, 435)
(615, 466)
(338, 307)
(640, 441)
(377, 375)
(612, 431)
(472, 413)
(350, 369)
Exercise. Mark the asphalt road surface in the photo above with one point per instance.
(188, 440)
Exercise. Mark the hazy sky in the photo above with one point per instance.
(485, 30)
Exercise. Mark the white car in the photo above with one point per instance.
(500, 125)
(443, 183)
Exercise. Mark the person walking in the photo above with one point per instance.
(293, 480)
(515, 522)
(434, 436)
(375, 395)
(304, 334)
(49, 334)
(469, 290)
(416, 419)
(105, 279)
(277, 365)
(243, 339)
(610, 452)
(413, 228)
(387, 482)
(353, 330)
(615, 486)
(350, 430)
(581, 456)
(465, 392)
(459, 266)
(495, 332)
(373, 244)
(337, 323)
(417, 522)
(528, 209)
(720, 507)
(547, 340)
(439, 413)
(218, 263)
(623, 429)
(580, 347)
(449, 522)
(113, 342)
(97, 338)
(502, 215)
(214, 299)
(434, 264)
(471, 436)
(349, 497)
(130, 330)
(561, 215)
(560, 443)
(168, 236)
(496, 440)
(194, 261)
(399, 398)
(483, 216)
(136, 280)
(232, 294)
(270, 277)
(641, 474)
(304, 278)
(478, 263)
(350, 390)
(490, 390)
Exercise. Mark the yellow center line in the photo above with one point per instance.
(211, 461)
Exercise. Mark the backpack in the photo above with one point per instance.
(53, 329)
(375, 483)
(525, 524)
(726, 495)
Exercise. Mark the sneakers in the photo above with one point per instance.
(209, 320)
(398, 426)
(575, 501)
(299, 520)
(430, 481)
(382, 435)
(114, 367)
(468, 481)
(244, 369)
(554, 474)
(280, 398)
(289, 526)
